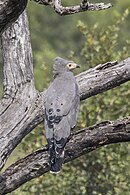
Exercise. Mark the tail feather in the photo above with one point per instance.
(56, 166)
(56, 153)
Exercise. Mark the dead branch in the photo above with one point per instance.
(84, 141)
(84, 6)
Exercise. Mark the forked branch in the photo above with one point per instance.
(84, 6)
(10, 10)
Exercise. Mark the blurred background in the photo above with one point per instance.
(88, 38)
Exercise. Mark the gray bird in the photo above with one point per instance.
(61, 107)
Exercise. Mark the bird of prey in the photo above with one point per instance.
(61, 106)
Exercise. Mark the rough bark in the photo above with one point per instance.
(17, 106)
(82, 142)
(103, 77)
(10, 11)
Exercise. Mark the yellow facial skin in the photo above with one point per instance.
(72, 66)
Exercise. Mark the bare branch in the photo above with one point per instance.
(82, 142)
(91, 82)
(103, 77)
(84, 6)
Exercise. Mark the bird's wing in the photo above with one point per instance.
(61, 106)
(72, 115)
(61, 103)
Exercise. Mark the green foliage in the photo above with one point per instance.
(105, 171)
(104, 43)
(53, 35)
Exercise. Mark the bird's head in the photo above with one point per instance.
(61, 65)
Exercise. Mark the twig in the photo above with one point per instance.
(84, 6)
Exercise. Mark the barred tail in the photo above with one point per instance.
(56, 153)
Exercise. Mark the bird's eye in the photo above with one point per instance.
(69, 65)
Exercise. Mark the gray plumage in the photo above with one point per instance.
(61, 107)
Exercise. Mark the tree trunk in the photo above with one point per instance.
(10, 11)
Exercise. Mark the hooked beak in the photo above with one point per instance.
(72, 66)
(75, 65)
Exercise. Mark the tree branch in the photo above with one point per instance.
(10, 11)
(82, 142)
(84, 6)
(103, 77)
(91, 82)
